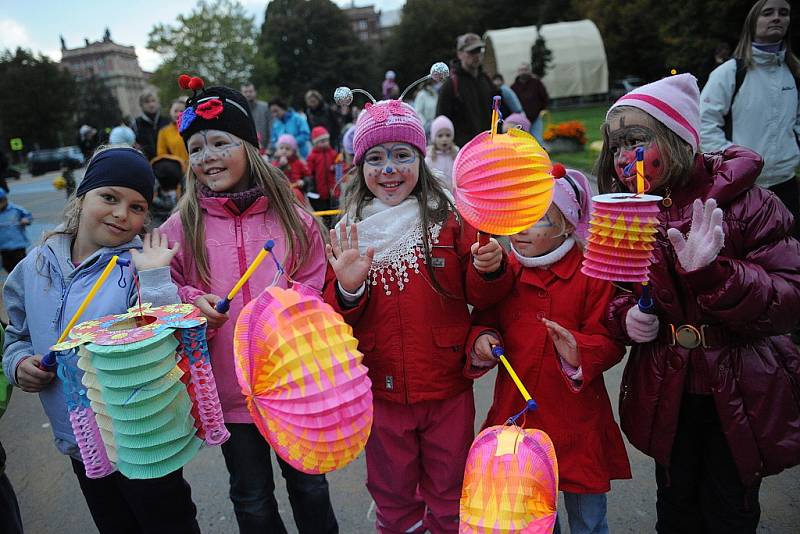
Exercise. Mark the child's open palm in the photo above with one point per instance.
(155, 253)
(564, 341)
(705, 240)
(350, 266)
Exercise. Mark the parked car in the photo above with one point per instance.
(624, 86)
(52, 159)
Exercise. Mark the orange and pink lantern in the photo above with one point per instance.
(299, 368)
(510, 483)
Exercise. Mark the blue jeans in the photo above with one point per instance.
(586, 513)
(247, 457)
(537, 129)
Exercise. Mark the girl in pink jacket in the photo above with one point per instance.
(233, 203)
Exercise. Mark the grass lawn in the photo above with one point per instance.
(592, 118)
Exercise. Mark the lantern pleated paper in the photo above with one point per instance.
(306, 389)
(622, 233)
(146, 401)
(502, 183)
(510, 483)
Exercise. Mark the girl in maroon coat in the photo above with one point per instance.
(403, 278)
(552, 329)
(710, 390)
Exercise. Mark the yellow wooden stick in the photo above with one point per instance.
(327, 212)
(89, 297)
(498, 352)
(223, 305)
(639, 177)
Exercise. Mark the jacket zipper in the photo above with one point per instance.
(242, 259)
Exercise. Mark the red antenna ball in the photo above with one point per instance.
(195, 84)
(558, 171)
(183, 81)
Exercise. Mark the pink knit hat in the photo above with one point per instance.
(521, 119)
(673, 101)
(441, 123)
(385, 121)
(572, 195)
(287, 139)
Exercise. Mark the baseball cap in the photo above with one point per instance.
(469, 42)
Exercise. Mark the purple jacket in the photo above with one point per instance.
(750, 298)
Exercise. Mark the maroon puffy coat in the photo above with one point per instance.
(750, 298)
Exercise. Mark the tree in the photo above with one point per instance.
(541, 56)
(310, 44)
(97, 106)
(37, 100)
(216, 41)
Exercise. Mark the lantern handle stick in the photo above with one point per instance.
(49, 361)
(500, 354)
(640, 171)
(495, 114)
(224, 305)
(646, 303)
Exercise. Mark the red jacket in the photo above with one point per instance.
(750, 298)
(321, 165)
(295, 170)
(413, 340)
(578, 418)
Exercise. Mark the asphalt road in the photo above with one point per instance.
(51, 501)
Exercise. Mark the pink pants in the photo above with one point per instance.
(415, 463)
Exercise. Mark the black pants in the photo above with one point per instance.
(247, 456)
(120, 505)
(11, 258)
(10, 520)
(789, 193)
(701, 491)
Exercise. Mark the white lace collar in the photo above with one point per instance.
(545, 261)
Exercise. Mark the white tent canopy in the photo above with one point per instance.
(578, 66)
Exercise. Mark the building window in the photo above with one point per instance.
(362, 25)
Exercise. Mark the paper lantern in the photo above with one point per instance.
(502, 185)
(146, 400)
(510, 483)
(622, 234)
(306, 389)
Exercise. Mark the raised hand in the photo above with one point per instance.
(705, 239)
(155, 253)
(564, 341)
(350, 266)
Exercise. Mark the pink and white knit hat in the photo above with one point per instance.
(287, 139)
(673, 101)
(387, 121)
(572, 194)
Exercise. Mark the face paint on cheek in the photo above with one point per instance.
(544, 222)
(653, 167)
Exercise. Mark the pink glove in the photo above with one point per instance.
(642, 327)
(705, 239)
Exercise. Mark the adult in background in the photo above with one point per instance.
(170, 141)
(261, 114)
(509, 96)
(763, 113)
(425, 105)
(319, 113)
(147, 125)
(533, 97)
(466, 97)
(285, 120)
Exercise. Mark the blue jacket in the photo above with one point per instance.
(12, 233)
(293, 124)
(43, 292)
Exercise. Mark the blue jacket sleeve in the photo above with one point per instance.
(17, 345)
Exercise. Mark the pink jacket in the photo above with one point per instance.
(233, 241)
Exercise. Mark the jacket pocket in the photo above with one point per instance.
(450, 338)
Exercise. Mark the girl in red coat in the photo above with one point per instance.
(287, 160)
(710, 390)
(322, 167)
(552, 329)
(403, 277)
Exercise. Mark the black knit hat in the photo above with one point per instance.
(216, 108)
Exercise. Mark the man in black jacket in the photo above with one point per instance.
(148, 124)
(466, 97)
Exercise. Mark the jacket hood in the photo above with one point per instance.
(730, 173)
(61, 247)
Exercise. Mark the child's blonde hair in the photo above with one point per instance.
(272, 184)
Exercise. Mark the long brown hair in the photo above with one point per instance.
(744, 50)
(676, 155)
(273, 185)
(434, 207)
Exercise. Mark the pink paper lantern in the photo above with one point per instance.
(622, 234)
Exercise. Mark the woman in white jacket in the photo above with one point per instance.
(764, 113)
(425, 106)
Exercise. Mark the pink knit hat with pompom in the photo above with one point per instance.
(387, 121)
(572, 195)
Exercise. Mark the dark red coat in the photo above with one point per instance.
(532, 95)
(578, 419)
(413, 340)
(751, 294)
(321, 165)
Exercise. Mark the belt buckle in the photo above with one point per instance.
(688, 337)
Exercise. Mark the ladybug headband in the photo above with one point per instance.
(216, 108)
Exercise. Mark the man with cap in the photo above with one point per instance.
(466, 97)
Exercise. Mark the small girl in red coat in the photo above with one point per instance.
(321, 164)
(551, 327)
(287, 160)
(403, 277)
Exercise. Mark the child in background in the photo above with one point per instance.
(516, 120)
(233, 203)
(389, 85)
(169, 140)
(286, 159)
(441, 153)
(321, 163)
(404, 268)
(10, 518)
(13, 239)
(552, 330)
(103, 219)
(711, 385)
(169, 171)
